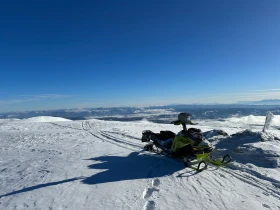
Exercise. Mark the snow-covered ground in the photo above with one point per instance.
(94, 164)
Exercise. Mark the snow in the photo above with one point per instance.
(54, 163)
(8, 120)
(251, 119)
(45, 119)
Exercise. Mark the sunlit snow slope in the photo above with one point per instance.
(98, 164)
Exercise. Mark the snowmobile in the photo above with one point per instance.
(188, 145)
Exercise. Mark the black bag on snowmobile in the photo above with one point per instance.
(148, 135)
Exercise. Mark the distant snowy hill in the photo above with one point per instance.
(96, 164)
(45, 119)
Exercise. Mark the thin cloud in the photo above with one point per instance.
(253, 93)
(268, 90)
(28, 98)
(16, 101)
(50, 96)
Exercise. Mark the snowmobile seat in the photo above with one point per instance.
(148, 135)
(164, 135)
(196, 130)
(164, 138)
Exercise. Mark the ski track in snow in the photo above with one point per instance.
(39, 184)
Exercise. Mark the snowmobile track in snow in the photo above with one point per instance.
(125, 135)
(86, 124)
(114, 138)
(120, 143)
(254, 181)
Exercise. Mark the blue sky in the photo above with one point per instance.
(66, 54)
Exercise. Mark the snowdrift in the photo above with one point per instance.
(248, 147)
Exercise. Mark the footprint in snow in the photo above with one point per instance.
(156, 182)
(149, 205)
(148, 192)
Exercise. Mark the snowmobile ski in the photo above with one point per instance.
(201, 165)
(226, 159)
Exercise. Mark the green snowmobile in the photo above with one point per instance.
(188, 145)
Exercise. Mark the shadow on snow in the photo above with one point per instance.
(40, 186)
(134, 166)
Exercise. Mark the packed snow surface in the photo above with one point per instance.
(96, 164)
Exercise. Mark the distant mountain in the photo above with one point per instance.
(162, 114)
(262, 102)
